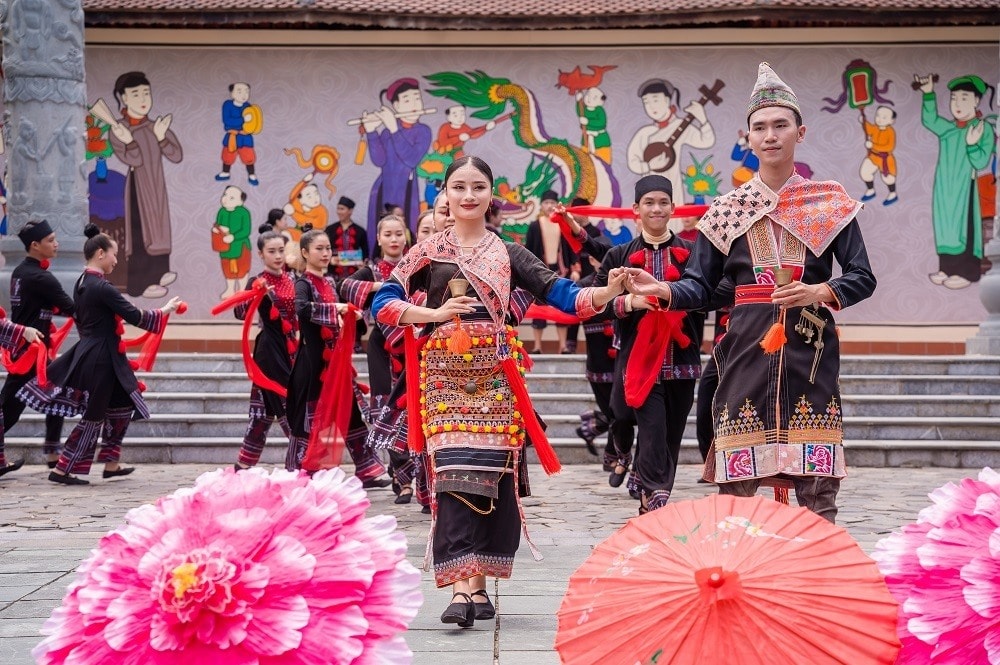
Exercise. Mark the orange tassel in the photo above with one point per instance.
(459, 342)
(781, 495)
(774, 339)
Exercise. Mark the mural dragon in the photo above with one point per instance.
(582, 174)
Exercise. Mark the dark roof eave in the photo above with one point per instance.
(799, 17)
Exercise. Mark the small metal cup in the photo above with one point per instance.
(782, 276)
(458, 287)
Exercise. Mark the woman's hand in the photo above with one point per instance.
(171, 305)
(637, 303)
(31, 334)
(454, 307)
(617, 280)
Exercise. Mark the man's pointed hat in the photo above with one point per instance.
(771, 91)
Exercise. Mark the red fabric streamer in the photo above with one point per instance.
(533, 428)
(687, 210)
(150, 343)
(35, 355)
(411, 356)
(550, 313)
(57, 337)
(255, 295)
(567, 233)
(655, 332)
(328, 436)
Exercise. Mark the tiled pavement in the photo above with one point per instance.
(46, 530)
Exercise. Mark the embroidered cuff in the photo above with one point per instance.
(391, 312)
(152, 320)
(324, 313)
(585, 307)
(357, 292)
(11, 334)
(618, 304)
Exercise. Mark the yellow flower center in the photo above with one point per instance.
(184, 577)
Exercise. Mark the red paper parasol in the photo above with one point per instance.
(727, 580)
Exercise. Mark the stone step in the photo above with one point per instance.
(922, 384)
(172, 425)
(867, 365)
(223, 451)
(928, 406)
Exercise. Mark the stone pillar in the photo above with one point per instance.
(987, 340)
(45, 110)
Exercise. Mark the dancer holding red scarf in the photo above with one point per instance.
(660, 357)
(35, 297)
(473, 406)
(319, 312)
(94, 377)
(275, 346)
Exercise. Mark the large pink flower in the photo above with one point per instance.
(945, 572)
(242, 569)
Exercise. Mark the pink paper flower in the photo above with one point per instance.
(945, 572)
(243, 568)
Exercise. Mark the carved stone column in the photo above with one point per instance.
(45, 102)
(987, 340)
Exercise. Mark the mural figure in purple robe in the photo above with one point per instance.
(397, 141)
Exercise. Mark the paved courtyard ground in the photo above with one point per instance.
(47, 530)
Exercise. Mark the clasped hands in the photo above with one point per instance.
(638, 282)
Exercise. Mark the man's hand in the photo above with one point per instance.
(641, 283)
(799, 294)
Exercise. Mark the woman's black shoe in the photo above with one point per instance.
(484, 610)
(616, 479)
(67, 479)
(426, 510)
(4, 470)
(464, 614)
(120, 471)
(404, 496)
(382, 481)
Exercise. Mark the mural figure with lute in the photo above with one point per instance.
(654, 148)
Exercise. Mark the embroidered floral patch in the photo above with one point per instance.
(739, 463)
(819, 458)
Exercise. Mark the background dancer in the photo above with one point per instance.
(319, 312)
(660, 355)
(35, 296)
(94, 377)
(275, 346)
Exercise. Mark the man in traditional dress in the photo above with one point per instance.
(660, 356)
(777, 409)
(349, 237)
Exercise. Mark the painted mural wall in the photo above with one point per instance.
(185, 170)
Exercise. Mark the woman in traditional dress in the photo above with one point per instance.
(94, 377)
(318, 310)
(475, 410)
(274, 349)
(384, 359)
